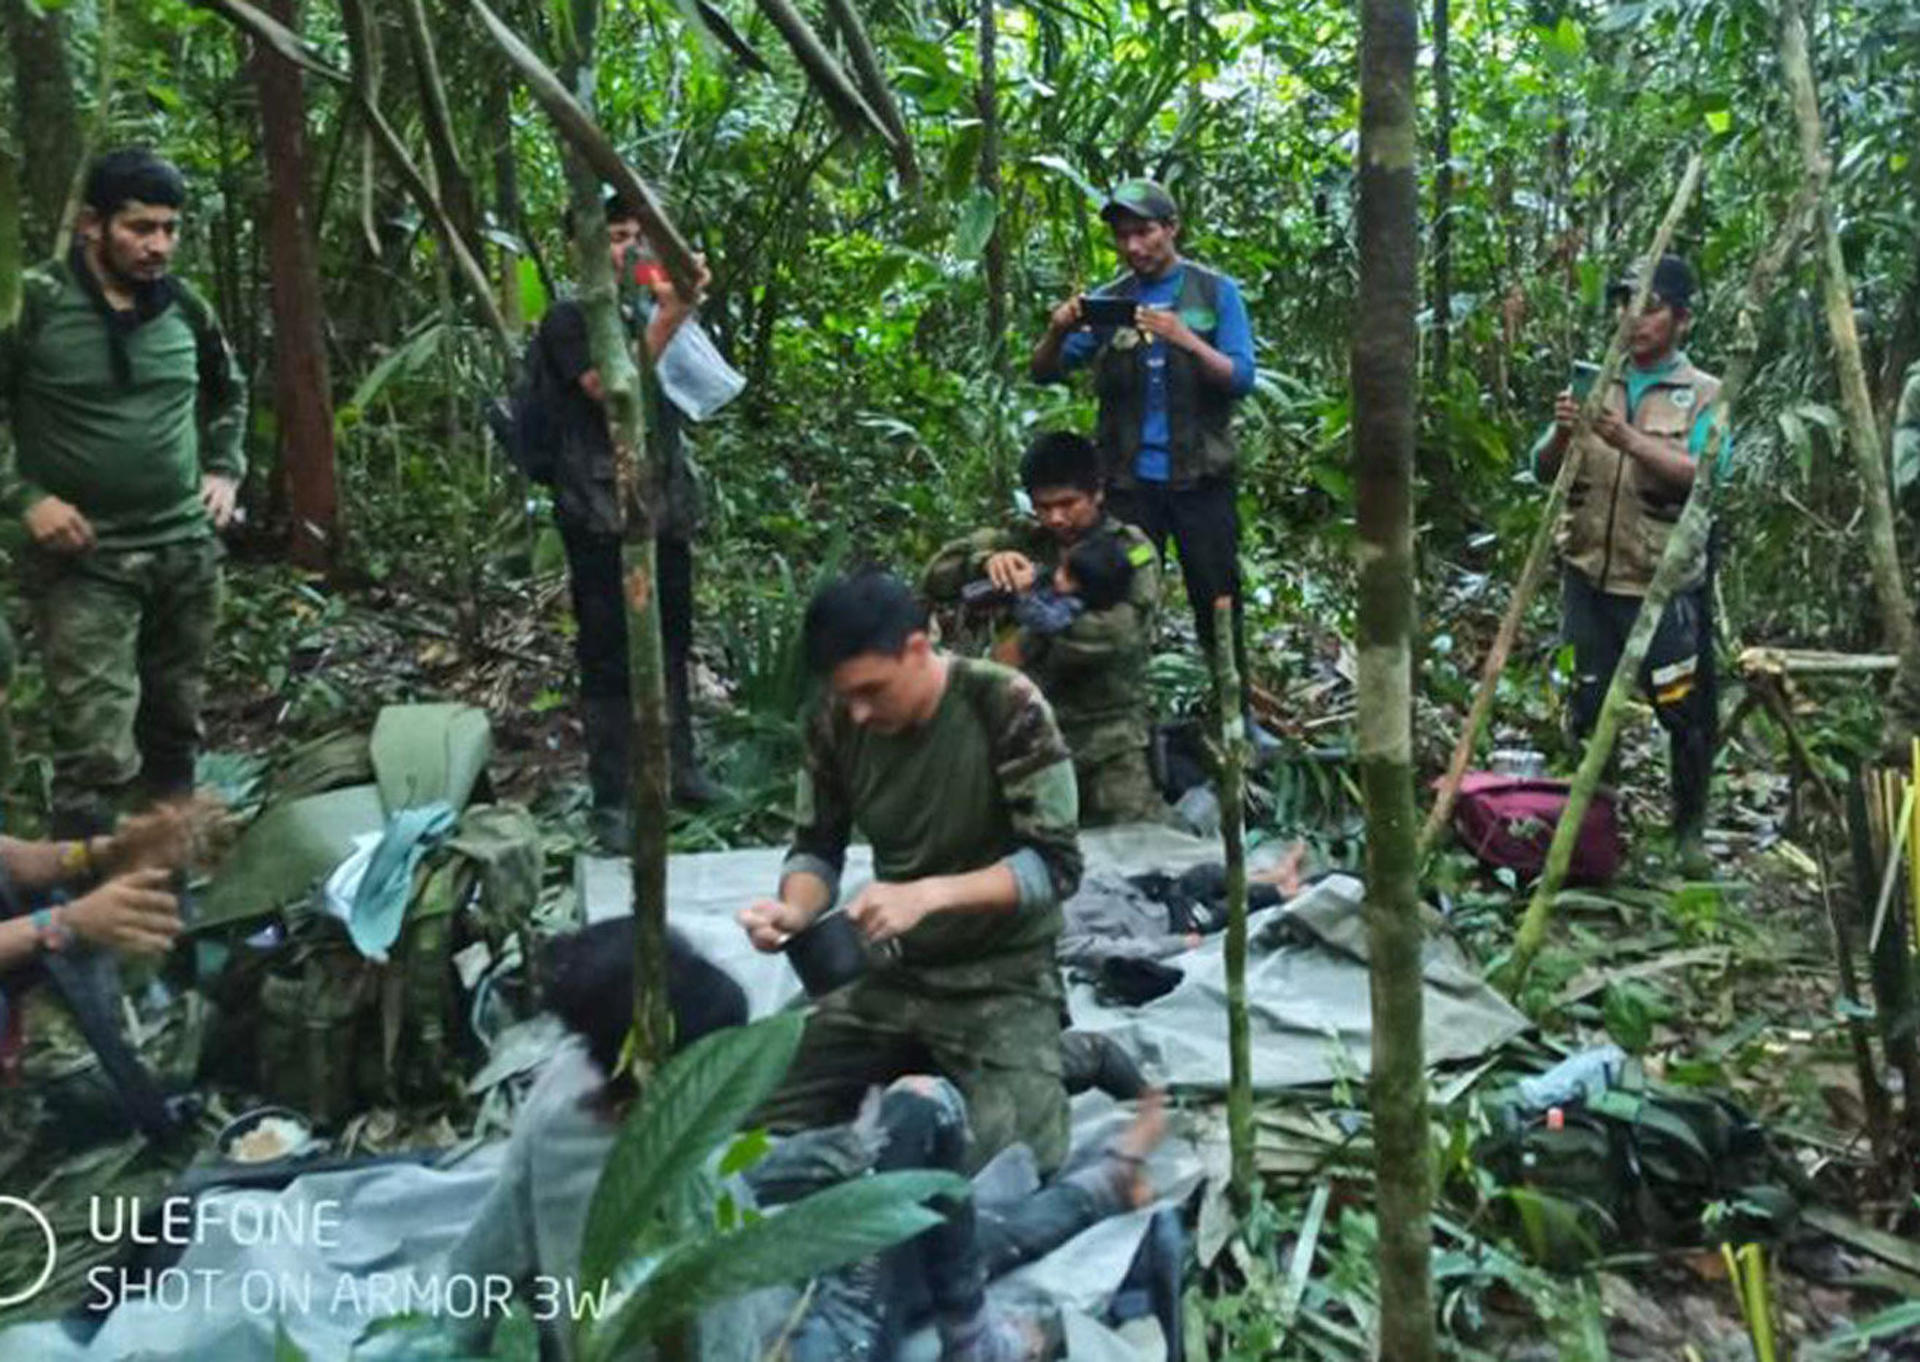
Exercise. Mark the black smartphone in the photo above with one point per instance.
(1098, 311)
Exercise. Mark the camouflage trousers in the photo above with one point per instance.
(123, 637)
(1110, 767)
(999, 1047)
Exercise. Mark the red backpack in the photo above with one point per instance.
(1509, 821)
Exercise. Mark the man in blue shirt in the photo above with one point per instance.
(1167, 384)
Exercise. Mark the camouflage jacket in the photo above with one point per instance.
(1095, 672)
(119, 419)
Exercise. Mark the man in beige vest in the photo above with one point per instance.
(1634, 470)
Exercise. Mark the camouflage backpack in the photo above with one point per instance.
(1633, 1161)
(336, 1032)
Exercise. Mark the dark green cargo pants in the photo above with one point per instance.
(123, 636)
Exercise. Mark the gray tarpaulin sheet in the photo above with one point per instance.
(327, 1275)
(1307, 991)
(1309, 1004)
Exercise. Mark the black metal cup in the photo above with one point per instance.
(830, 954)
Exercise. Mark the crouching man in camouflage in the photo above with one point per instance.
(956, 773)
(1094, 673)
(127, 413)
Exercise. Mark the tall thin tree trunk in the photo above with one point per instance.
(506, 202)
(11, 254)
(1863, 429)
(996, 260)
(1440, 294)
(452, 183)
(303, 399)
(46, 116)
(1233, 836)
(637, 482)
(1385, 389)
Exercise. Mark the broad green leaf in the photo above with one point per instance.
(827, 1230)
(284, 1348)
(1061, 166)
(975, 227)
(694, 1104)
(963, 153)
(1719, 121)
(1793, 431)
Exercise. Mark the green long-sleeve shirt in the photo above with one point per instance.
(985, 781)
(123, 437)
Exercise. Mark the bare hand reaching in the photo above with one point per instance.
(135, 912)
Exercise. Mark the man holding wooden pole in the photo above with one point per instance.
(1634, 470)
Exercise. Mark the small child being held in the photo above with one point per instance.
(1094, 575)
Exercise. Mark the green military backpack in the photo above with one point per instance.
(1630, 1161)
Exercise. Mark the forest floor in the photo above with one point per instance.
(1729, 983)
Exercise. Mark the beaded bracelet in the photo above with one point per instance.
(50, 930)
(77, 860)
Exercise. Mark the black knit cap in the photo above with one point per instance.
(1672, 284)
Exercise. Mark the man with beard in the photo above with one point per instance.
(127, 414)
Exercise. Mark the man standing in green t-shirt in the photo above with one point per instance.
(956, 773)
(127, 414)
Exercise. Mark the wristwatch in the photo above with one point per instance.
(50, 930)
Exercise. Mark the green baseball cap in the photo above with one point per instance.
(1140, 199)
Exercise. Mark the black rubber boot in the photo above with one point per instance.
(1691, 756)
(609, 773)
(690, 786)
(1089, 1059)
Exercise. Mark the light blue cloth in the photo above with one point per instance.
(380, 906)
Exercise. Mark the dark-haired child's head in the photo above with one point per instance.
(1098, 571)
(589, 986)
(866, 634)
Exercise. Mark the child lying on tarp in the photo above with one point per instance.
(1119, 929)
(532, 1222)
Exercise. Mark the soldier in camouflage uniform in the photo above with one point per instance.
(1094, 673)
(127, 413)
(956, 773)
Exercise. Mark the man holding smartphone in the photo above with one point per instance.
(1167, 381)
(1634, 469)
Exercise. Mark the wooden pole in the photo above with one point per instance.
(1233, 819)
